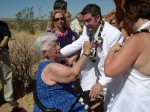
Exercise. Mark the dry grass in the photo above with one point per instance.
(25, 101)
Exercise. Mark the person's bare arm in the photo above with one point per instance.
(120, 58)
(55, 72)
(4, 41)
(73, 58)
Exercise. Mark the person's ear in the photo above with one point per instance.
(98, 17)
(44, 53)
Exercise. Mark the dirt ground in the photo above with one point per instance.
(26, 102)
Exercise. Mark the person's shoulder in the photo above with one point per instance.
(108, 25)
(74, 21)
(2, 23)
(111, 33)
(134, 40)
(111, 29)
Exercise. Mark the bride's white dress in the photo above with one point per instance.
(134, 95)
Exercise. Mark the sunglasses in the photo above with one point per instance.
(112, 23)
(57, 19)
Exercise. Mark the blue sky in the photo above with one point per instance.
(9, 8)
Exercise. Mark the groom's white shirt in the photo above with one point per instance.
(94, 72)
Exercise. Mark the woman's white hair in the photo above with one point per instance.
(43, 41)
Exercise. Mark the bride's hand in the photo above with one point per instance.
(116, 48)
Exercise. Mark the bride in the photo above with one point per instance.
(132, 61)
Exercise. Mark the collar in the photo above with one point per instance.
(144, 25)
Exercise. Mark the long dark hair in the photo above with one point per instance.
(135, 9)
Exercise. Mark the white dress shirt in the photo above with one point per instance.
(93, 72)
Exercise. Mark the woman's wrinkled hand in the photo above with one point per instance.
(87, 47)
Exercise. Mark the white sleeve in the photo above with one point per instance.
(72, 26)
(104, 80)
(72, 48)
(118, 38)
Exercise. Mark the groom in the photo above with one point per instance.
(103, 36)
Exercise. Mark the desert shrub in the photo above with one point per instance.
(23, 58)
(26, 21)
(12, 24)
(42, 25)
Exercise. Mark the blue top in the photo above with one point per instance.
(60, 96)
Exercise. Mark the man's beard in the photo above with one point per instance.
(91, 31)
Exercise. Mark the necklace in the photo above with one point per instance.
(97, 42)
(139, 31)
(59, 35)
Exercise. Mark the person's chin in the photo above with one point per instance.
(90, 30)
(59, 55)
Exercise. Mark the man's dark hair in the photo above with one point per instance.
(60, 4)
(93, 9)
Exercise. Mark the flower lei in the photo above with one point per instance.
(97, 42)
(139, 31)
(59, 35)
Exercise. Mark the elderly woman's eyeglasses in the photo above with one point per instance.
(113, 23)
(57, 19)
(53, 46)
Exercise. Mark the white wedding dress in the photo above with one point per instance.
(134, 95)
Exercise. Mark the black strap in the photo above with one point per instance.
(41, 106)
(80, 99)
(83, 98)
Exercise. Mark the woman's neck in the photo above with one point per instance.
(140, 22)
(60, 30)
(50, 59)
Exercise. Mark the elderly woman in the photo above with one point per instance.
(53, 80)
(132, 61)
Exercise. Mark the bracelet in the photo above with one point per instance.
(85, 54)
